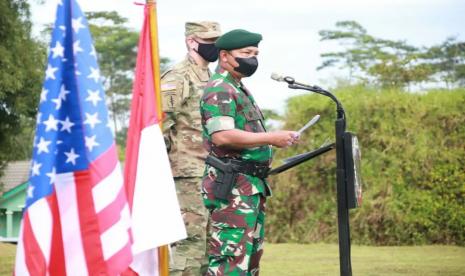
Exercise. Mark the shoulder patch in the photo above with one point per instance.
(171, 92)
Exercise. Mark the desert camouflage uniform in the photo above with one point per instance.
(182, 87)
(237, 233)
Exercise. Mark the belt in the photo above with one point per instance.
(252, 168)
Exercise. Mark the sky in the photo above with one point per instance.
(291, 44)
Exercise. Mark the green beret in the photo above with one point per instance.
(237, 39)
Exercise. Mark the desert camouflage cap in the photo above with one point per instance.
(203, 29)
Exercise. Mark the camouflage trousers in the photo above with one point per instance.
(235, 244)
(189, 255)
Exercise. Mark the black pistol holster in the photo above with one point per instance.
(227, 171)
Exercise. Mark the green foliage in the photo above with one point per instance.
(21, 73)
(271, 114)
(393, 63)
(116, 46)
(413, 157)
(448, 61)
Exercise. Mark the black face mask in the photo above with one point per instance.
(209, 52)
(247, 66)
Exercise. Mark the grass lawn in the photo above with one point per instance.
(7, 256)
(323, 259)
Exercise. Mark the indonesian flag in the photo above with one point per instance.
(156, 215)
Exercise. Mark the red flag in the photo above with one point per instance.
(156, 216)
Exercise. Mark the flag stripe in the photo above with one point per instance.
(57, 258)
(118, 262)
(142, 108)
(147, 233)
(107, 190)
(40, 218)
(89, 223)
(107, 217)
(69, 214)
(35, 261)
(114, 239)
(104, 165)
(20, 263)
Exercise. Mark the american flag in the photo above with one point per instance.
(76, 219)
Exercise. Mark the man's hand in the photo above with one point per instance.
(283, 138)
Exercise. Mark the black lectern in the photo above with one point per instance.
(349, 181)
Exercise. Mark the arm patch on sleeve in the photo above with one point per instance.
(169, 100)
(219, 123)
(171, 91)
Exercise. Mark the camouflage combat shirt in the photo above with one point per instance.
(226, 104)
(181, 87)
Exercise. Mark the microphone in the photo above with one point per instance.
(277, 77)
(313, 88)
(296, 85)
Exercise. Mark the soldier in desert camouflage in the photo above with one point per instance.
(182, 87)
(235, 136)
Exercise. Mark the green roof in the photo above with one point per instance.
(14, 191)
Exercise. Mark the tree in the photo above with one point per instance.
(116, 47)
(388, 63)
(351, 35)
(22, 64)
(448, 61)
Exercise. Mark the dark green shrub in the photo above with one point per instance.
(413, 150)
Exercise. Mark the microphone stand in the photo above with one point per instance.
(342, 198)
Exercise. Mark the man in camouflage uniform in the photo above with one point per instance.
(182, 87)
(233, 131)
